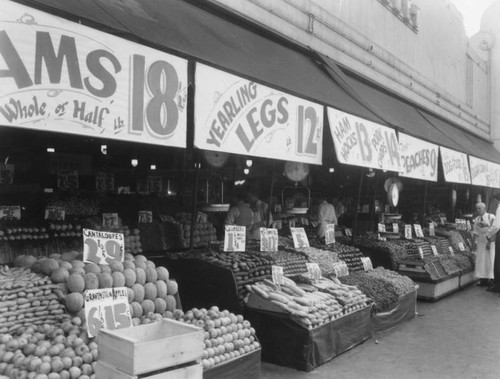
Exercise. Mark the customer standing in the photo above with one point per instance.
(494, 236)
(326, 215)
(485, 252)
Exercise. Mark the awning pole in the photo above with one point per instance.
(194, 213)
(424, 205)
(355, 226)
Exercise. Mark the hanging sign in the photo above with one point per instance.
(55, 213)
(419, 159)
(235, 238)
(145, 217)
(103, 247)
(300, 239)
(110, 220)
(235, 115)
(104, 182)
(484, 173)
(67, 179)
(10, 212)
(381, 227)
(408, 234)
(455, 166)
(7, 173)
(108, 309)
(418, 231)
(434, 250)
(395, 227)
(268, 239)
(330, 234)
(364, 143)
(340, 269)
(432, 229)
(64, 77)
(277, 275)
(367, 263)
(314, 271)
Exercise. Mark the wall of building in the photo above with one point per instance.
(427, 66)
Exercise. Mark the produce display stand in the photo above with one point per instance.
(244, 367)
(404, 310)
(467, 278)
(286, 343)
(433, 290)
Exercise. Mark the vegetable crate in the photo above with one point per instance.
(161, 350)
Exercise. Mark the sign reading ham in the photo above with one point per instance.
(235, 115)
(56, 75)
(484, 173)
(455, 166)
(419, 158)
(360, 142)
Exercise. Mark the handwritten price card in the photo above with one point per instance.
(330, 234)
(300, 239)
(367, 263)
(277, 273)
(314, 271)
(381, 228)
(395, 227)
(103, 247)
(340, 269)
(10, 212)
(434, 250)
(110, 220)
(348, 232)
(432, 229)
(408, 234)
(235, 238)
(418, 231)
(55, 213)
(268, 239)
(145, 217)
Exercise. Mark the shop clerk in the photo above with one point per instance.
(485, 252)
(261, 216)
(326, 215)
(241, 214)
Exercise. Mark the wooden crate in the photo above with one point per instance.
(194, 371)
(151, 347)
(467, 278)
(438, 290)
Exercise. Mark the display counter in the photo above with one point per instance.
(244, 367)
(404, 310)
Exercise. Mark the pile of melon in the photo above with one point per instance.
(150, 289)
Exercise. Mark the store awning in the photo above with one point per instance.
(179, 27)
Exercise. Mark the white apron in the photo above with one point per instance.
(484, 257)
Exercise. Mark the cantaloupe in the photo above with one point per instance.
(116, 266)
(147, 306)
(140, 257)
(141, 264)
(77, 270)
(19, 261)
(160, 305)
(161, 289)
(140, 276)
(63, 264)
(130, 277)
(28, 261)
(105, 280)
(77, 263)
(128, 257)
(130, 295)
(92, 267)
(150, 264)
(151, 275)
(118, 279)
(138, 292)
(105, 268)
(163, 273)
(172, 287)
(55, 256)
(74, 302)
(171, 303)
(75, 283)
(59, 275)
(36, 267)
(136, 309)
(150, 291)
(68, 256)
(129, 264)
(91, 281)
(49, 265)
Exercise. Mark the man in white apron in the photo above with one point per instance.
(485, 252)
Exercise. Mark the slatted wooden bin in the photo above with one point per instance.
(160, 350)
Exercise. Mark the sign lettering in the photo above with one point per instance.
(103, 247)
(455, 166)
(234, 238)
(419, 159)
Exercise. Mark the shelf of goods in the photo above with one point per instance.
(305, 325)
(43, 329)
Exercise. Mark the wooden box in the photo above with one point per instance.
(151, 347)
(194, 371)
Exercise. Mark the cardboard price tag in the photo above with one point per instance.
(104, 182)
(145, 217)
(395, 227)
(381, 228)
(268, 239)
(421, 253)
(110, 220)
(461, 246)
(10, 212)
(432, 229)
(330, 234)
(348, 232)
(107, 308)
(408, 234)
(418, 231)
(103, 247)
(314, 271)
(434, 250)
(235, 238)
(443, 220)
(469, 226)
(277, 273)
(380, 238)
(367, 263)
(452, 253)
(340, 269)
(300, 239)
(55, 213)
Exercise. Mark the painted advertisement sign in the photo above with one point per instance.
(455, 166)
(484, 173)
(235, 115)
(56, 75)
(419, 159)
(360, 142)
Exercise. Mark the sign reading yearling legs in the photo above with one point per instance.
(235, 115)
(484, 173)
(455, 166)
(419, 158)
(360, 142)
(57, 75)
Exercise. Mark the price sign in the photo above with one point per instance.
(380, 238)
(277, 272)
(110, 220)
(292, 223)
(395, 227)
(10, 212)
(67, 179)
(432, 229)
(154, 183)
(421, 253)
(107, 308)
(348, 232)
(452, 253)
(104, 182)
(235, 238)
(268, 239)
(55, 213)
(461, 246)
(7, 173)
(330, 234)
(314, 271)
(340, 268)
(434, 250)
(381, 228)
(103, 247)
(300, 239)
(418, 231)
(145, 217)
(469, 226)
(367, 263)
(443, 220)
(408, 234)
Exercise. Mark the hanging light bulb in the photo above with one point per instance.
(104, 149)
(152, 167)
(51, 150)
(246, 171)
(331, 170)
(134, 162)
(249, 163)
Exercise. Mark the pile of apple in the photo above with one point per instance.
(65, 230)
(23, 233)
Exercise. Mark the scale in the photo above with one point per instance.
(215, 159)
(296, 172)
